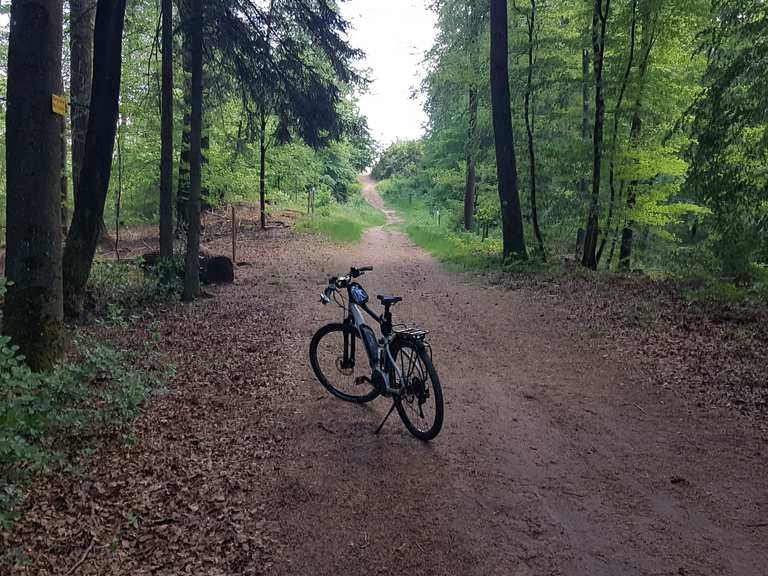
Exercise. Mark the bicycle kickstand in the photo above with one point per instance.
(385, 418)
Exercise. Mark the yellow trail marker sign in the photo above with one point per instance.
(59, 105)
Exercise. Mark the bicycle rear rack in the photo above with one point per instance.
(411, 333)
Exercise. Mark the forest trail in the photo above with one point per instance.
(549, 462)
(553, 459)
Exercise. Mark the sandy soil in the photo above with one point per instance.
(555, 458)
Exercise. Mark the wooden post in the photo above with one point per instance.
(234, 236)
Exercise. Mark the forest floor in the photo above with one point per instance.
(581, 437)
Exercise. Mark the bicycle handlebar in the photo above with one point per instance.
(355, 272)
(342, 282)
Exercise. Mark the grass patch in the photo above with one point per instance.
(464, 251)
(722, 292)
(343, 223)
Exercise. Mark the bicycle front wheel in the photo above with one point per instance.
(420, 405)
(338, 357)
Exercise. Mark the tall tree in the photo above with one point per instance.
(88, 215)
(506, 164)
(192, 262)
(82, 15)
(166, 134)
(601, 9)
(530, 113)
(615, 131)
(648, 40)
(183, 186)
(33, 314)
(473, 51)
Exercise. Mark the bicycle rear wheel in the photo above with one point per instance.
(338, 357)
(421, 404)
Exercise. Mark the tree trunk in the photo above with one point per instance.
(615, 133)
(88, 217)
(64, 182)
(627, 234)
(183, 190)
(470, 186)
(32, 313)
(192, 265)
(584, 117)
(471, 180)
(166, 136)
(506, 165)
(529, 127)
(82, 14)
(599, 22)
(262, 170)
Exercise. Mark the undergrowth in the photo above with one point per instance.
(342, 222)
(48, 419)
(120, 290)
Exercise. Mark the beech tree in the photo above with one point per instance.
(506, 162)
(601, 9)
(33, 313)
(88, 215)
(192, 262)
(166, 134)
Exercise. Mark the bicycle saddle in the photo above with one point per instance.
(389, 300)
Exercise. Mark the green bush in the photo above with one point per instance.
(119, 288)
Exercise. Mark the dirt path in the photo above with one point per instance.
(554, 460)
(549, 462)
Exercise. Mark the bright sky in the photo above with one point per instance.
(394, 34)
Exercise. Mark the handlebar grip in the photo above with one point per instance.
(366, 269)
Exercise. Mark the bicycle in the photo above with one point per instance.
(399, 362)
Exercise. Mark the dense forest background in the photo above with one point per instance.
(592, 146)
(295, 162)
(648, 117)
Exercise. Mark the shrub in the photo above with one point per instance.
(45, 418)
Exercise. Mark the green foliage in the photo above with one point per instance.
(46, 419)
(120, 290)
(343, 223)
(399, 159)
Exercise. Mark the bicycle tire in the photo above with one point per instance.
(328, 349)
(404, 403)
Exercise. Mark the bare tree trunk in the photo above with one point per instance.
(599, 22)
(506, 164)
(262, 169)
(615, 133)
(585, 137)
(183, 189)
(192, 265)
(471, 160)
(32, 312)
(470, 185)
(88, 217)
(166, 135)
(82, 14)
(627, 234)
(64, 184)
(529, 128)
(82, 17)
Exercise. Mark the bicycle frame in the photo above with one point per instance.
(378, 351)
